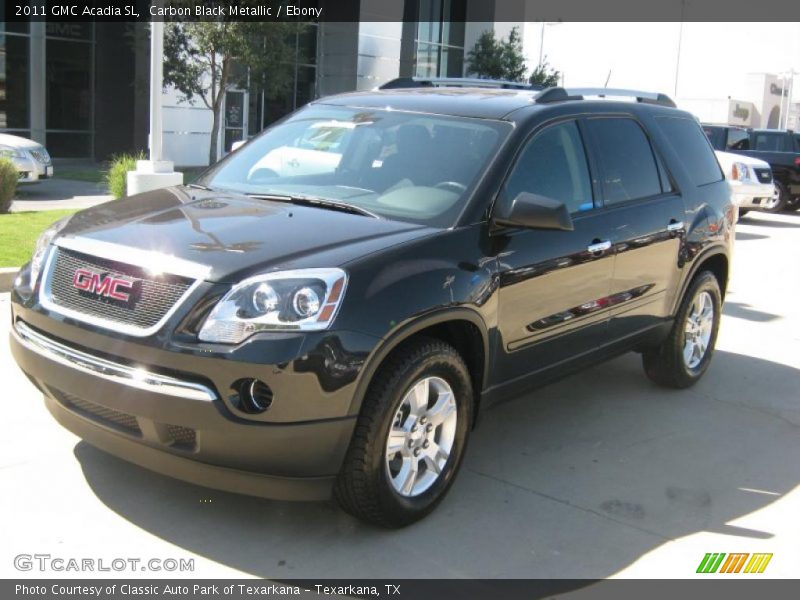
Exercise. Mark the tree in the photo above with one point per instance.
(545, 75)
(498, 59)
(204, 59)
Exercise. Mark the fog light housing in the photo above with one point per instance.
(252, 396)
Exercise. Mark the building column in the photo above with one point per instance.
(38, 82)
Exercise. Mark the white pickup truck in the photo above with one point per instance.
(751, 182)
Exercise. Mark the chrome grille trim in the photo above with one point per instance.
(109, 370)
(143, 259)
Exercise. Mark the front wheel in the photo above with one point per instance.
(682, 359)
(778, 201)
(410, 436)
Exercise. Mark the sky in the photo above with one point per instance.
(714, 57)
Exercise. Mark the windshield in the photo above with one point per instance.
(405, 166)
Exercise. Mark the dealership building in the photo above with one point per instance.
(82, 89)
(764, 102)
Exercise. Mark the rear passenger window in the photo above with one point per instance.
(692, 148)
(627, 166)
(553, 164)
(769, 141)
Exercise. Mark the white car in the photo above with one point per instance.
(318, 151)
(30, 158)
(750, 180)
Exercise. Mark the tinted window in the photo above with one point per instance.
(692, 148)
(628, 167)
(769, 141)
(553, 164)
(716, 136)
(738, 139)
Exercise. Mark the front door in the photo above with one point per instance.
(552, 284)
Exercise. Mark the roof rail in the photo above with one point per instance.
(643, 97)
(417, 82)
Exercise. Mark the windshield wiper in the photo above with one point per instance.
(319, 202)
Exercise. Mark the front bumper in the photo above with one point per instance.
(31, 170)
(751, 194)
(179, 426)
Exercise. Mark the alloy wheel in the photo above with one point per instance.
(421, 436)
(697, 333)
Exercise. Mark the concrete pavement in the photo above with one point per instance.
(599, 475)
(54, 194)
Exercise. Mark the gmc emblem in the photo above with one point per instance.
(107, 286)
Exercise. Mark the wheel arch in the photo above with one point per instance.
(462, 328)
(715, 260)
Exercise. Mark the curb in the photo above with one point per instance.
(7, 276)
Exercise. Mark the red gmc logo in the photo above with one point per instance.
(107, 286)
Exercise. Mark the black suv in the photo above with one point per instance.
(331, 306)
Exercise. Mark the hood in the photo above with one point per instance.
(18, 142)
(235, 236)
(726, 159)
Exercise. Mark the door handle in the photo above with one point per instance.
(598, 246)
(675, 226)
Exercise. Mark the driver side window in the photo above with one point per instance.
(553, 164)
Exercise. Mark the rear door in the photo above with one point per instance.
(550, 282)
(646, 215)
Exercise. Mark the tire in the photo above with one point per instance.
(779, 204)
(367, 485)
(793, 204)
(742, 213)
(666, 364)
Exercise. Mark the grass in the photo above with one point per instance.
(89, 175)
(18, 233)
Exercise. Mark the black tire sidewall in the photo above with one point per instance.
(454, 373)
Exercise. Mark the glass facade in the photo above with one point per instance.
(14, 84)
(439, 41)
(69, 68)
(264, 109)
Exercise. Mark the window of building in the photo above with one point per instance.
(439, 41)
(69, 72)
(692, 148)
(14, 84)
(554, 165)
(265, 109)
(627, 164)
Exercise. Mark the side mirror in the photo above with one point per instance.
(236, 145)
(532, 211)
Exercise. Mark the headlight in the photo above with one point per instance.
(740, 172)
(42, 245)
(303, 299)
(10, 152)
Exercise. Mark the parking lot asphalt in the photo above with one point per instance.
(56, 194)
(602, 474)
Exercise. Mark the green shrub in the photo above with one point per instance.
(8, 184)
(117, 175)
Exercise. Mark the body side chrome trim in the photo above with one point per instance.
(111, 371)
(132, 330)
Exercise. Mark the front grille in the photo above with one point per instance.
(40, 156)
(764, 175)
(151, 296)
(115, 419)
(182, 437)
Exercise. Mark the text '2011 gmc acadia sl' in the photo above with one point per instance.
(328, 308)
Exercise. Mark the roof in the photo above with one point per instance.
(482, 103)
